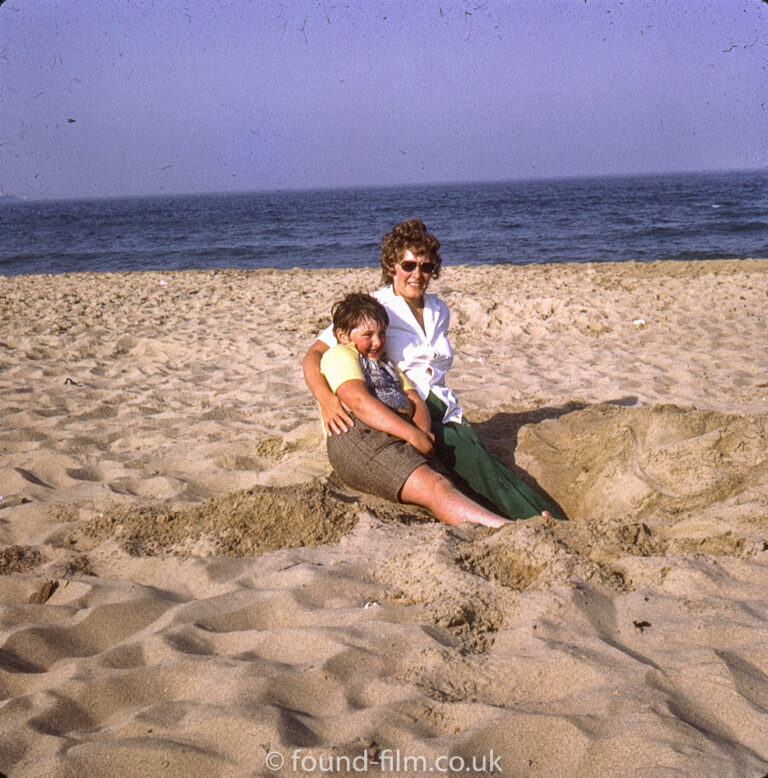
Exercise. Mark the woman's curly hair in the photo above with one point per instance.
(412, 236)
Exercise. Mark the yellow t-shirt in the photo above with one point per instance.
(342, 363)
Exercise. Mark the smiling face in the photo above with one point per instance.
(369, 337)
(412, 284)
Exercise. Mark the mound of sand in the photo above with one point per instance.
(246, 523)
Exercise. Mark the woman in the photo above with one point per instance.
(417, 341)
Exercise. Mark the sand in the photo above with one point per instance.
(185, 589)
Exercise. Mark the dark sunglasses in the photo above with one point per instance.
(409, 266)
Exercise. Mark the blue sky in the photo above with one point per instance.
(130, 97)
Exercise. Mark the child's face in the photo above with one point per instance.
(369, 337)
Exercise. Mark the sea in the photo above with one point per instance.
(642, 218)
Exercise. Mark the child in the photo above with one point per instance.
(386, 451)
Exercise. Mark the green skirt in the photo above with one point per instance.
(480, 474)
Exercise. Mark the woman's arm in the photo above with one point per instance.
(355, 395)
(421, 416)
(335, 419)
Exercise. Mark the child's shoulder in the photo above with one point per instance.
(339, 364)
(342, 349)
(342, 354)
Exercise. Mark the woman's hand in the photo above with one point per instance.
(335, 418)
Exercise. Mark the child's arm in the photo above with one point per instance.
(355, 395)
(421, 417)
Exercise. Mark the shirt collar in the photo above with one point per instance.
(404, 310)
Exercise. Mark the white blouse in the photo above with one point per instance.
(424, 355)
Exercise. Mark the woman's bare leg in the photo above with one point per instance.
(430, 490)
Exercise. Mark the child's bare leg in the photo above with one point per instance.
(430, 490)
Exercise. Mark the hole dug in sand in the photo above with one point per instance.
(635, 482)
(637, 463)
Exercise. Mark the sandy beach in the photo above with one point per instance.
(185, 589)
